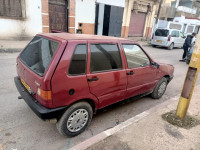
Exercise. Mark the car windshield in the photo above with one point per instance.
(162, 32)
(38, 54)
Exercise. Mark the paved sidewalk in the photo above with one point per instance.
(12, 46)
(148, 131)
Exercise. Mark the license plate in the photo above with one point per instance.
(160, 41)
(26, 85)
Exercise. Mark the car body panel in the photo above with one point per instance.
(62, 82)
(34, 81)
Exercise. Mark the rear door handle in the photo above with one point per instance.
(93, 79)
(130, 73)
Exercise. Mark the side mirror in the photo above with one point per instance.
(156, 65)
(182, 35)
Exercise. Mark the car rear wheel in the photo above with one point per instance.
(160, 89)
(171, 46)
(75, 120)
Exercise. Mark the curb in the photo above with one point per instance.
(10, 50)
(103, 135)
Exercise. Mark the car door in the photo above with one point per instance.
(178, 39)
(141, 75)
(106, 75)
(69, 82)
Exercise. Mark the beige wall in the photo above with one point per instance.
(142, 6)
(168, 2)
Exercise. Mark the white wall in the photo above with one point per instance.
(85, 12)
(85, 9)
(120, 3)
(32, 24)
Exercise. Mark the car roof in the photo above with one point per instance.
(69, 36)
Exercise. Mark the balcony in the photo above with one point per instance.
(186, 10)
(167, 12)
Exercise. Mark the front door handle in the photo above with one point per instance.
(130, 73)
(93, 79)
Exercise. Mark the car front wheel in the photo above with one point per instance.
(160, 89)
(75, 120)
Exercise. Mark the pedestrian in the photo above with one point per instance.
(186, 46)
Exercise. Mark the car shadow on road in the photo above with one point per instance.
(120, 103)
(165, 48)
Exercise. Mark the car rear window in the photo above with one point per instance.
(162, 32)
(38, 54)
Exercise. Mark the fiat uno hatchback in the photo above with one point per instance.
(70, 76)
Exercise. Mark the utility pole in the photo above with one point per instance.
(158, 15)
(159, 9)
(190, 81)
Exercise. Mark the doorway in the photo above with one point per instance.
(108, 20)
(58, 15)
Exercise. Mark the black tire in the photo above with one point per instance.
(156, 94)
(171, 46)
(72, 110)
(153, 45)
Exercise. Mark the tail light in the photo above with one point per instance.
(45, 95)
(169, 38)
(152, 36)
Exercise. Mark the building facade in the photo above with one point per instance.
(179, 8)
(138, 18)
(21, 19)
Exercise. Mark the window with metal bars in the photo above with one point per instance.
(12, 8)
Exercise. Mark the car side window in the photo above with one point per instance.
(173, 34)
(177, 34)
(78, 61)
(105, 57)
(135, 56)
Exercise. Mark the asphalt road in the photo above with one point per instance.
(21, 129)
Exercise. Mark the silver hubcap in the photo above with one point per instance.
(162, 88)
(77, 120)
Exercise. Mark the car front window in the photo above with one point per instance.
(135, 56)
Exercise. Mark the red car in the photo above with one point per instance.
(70, 76)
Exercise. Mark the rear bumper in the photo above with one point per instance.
(166, 44)
(41, 111)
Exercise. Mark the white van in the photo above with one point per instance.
(169, 38)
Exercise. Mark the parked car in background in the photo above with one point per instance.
(70, 76)
(169, 38)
